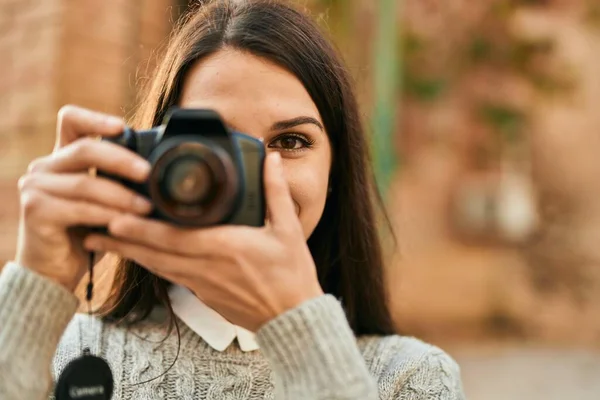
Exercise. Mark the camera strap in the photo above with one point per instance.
(87, 377)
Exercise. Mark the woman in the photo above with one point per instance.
(304, 295)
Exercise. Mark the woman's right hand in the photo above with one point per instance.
(58, 194)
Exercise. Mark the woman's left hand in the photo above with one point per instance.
(249, 275)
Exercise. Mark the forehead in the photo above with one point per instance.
(246, 90)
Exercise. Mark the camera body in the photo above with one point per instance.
(202, 174)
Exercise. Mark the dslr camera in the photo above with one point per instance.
(202, 174)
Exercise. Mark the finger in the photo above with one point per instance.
(88, 153)
(84, 187)
(76, 122)
(209, 241)
(42, 207)
(159, 262)
(280, 206)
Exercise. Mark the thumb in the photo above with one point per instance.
(280, 206)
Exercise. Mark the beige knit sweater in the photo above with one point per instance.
(307, 353)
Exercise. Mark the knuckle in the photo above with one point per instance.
(176, 242)
(34, 165)
(81, 183)
(83, 147)
(290, 229)
(285, 234)
(26, 182)
(286, 229)
(129, 199)
(22, 183)
(66, 112)
(239, 261)
(105, 215)
(31, 202)
(85, 143)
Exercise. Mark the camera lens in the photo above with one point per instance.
(192, 183)
(188, 181)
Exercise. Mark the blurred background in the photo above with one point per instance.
(487, 149)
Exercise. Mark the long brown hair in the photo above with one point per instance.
(345, 244)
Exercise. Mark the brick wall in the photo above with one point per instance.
(548, 288)
(55, 52)
(29, 43)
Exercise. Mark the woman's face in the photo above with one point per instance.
(261, 99)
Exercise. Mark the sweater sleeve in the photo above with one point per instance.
(437, 376)
(34, 313)
(314, 355)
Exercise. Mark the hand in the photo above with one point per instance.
(249, 275)
(58, 194)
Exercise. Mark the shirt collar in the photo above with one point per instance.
(211, 326)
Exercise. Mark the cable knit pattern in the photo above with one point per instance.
(307, 353)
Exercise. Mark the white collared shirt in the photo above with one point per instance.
(211, 326)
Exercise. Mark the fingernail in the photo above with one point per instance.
(142, 204)
(142, 167)
(114, 122)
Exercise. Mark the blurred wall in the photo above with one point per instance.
(56, 52)
(499, 108)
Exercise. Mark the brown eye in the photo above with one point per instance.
(292, 142)
(289, 143)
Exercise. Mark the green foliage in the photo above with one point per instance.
(337, 20)
(506, 121)
(480, 49)
(504, 8)
(386, 68)
(491, 47)
(522, 52)
(424, 89)
(415, 83)
(411, 44)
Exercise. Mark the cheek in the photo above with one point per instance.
(308, 186)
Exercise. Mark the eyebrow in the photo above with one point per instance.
(290, 123)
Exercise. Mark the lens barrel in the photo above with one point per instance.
(192, 182)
